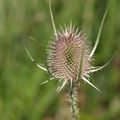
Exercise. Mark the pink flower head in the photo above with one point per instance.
(70, 56)
(68, 50)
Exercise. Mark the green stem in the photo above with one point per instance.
(74, 102)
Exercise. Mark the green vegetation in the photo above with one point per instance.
(27, 23)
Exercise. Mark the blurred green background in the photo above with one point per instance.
(27, 23)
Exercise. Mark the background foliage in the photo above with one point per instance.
(27, 23)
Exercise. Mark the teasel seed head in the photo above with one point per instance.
(68, 49)
(70, 57)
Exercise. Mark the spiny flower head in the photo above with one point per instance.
(69, 55)
(70, 60)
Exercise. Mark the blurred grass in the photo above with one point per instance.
(27, 23)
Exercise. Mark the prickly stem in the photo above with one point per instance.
(74, 101)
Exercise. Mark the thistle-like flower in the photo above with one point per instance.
(70, 57)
